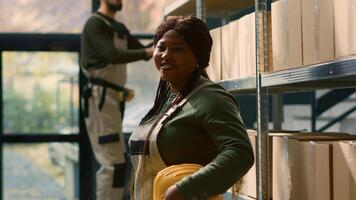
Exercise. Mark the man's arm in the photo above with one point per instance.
(100, 37)
(134, 43)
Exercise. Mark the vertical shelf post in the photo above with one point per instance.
(1, 128)
(200, 9)
(313, 106)
(263, 63)
(277, 111)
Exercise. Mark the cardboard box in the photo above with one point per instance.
(230, 51)
(300, 164)
(300, 170)
(344, 170)
(345, 27)
(247, 46)
(286, 34)
(249, 181)
(318, 31)
(214, 68)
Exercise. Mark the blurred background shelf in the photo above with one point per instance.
(213, 8)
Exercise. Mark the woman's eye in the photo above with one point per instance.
(160, 48)
(178, 49)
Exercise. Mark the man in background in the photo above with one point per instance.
(106, 47)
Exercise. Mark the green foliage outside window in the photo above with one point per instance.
(39, 114)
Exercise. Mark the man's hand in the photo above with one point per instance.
(173, 193)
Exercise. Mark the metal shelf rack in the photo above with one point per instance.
(339, 73)
(333, 74)
(262, 9)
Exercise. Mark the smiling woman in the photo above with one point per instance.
(193, 120)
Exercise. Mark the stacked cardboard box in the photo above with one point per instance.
(249, 181)
(214, 68)
(286, 34)
(308, 166)
(318, 31)
(304, 32)
(230, 51)
(345, 27)
(247, 46)
(300, 170)
(344, 170)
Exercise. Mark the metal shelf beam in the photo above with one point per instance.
(339, 73)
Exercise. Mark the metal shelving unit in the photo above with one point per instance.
(224, 8)
(329, 75)
(340, 73)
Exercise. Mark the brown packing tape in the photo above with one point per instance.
(251, 71)
(277, 36)
(351, 27)
(285, 32)
(331, 170)
(270, 47)
(317, 28)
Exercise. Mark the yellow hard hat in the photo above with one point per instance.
(172, 174)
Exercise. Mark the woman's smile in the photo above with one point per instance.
(165, 66)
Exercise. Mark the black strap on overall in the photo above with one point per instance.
(87, 92)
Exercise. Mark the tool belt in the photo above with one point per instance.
(87, 92)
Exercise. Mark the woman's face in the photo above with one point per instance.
(174, 60)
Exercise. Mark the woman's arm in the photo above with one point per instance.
(220, 118)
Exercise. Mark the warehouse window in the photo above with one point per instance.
(40, 171)
(40, 92)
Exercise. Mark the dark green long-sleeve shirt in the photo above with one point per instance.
(207, 131)
(97, 46)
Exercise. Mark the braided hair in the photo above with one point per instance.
(196, 33)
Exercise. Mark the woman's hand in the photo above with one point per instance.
(173, 193)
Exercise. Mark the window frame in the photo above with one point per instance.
(49, 42)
